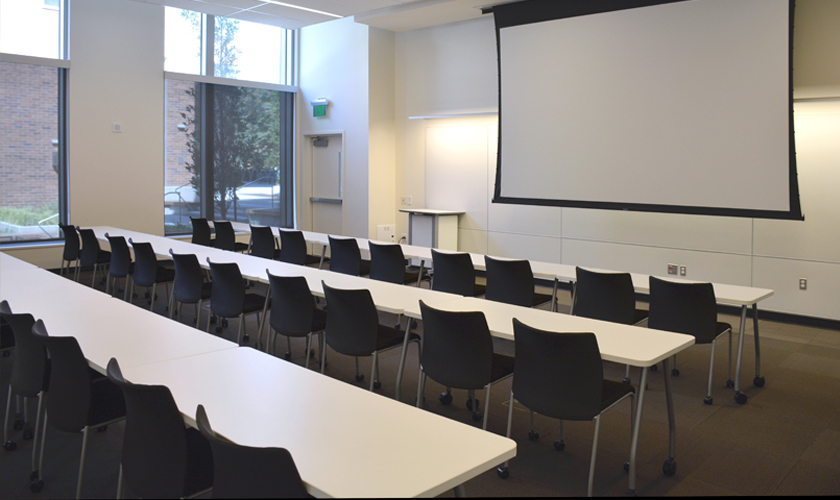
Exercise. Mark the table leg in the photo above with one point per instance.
(634, 439)
(460, 491)
(402, 358)
(323, 255)
(758, 381)
(740, 397)
(554, 295)
(669, 468)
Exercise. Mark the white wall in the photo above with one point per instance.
(440, 69)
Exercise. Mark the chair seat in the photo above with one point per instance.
(199, 475)
(364, 268)
(103, 257)
(612, 391)
(479, 290)
(391, 337)
(319, 323)
(253, 302)
(206, 290)
(639, 315)
(106, 402)
(240, 247)
(164, 275)
(502, 366)
(541, 298)
(313, 259)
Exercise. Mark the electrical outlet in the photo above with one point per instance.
(408, 200)
(683, 270)
(672, 269)
(803, 284)
(402, 200)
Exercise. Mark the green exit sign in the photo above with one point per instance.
(319, 110)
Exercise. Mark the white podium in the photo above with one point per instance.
(432, 228)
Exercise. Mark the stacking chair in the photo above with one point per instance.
(560, 375)
(247, 472)
(512, 282)
(189, 286)
(293, 249)
(120, 265)
(29, 377)
(201, 232)
(161, 457)
(147, 272)
(228, 298)
(346, 258)
(226, 237)
(92, 254)
(79, 399)
(458, 353)
(455, 273)
(387, 263)
(689, 308)
(353, 329)
(71, 250)
(607, 297)
(293, 312)
(263, 243)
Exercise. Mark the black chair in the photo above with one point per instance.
(29, 378)
(512, 282)
(228, 298)
(226, 237)
(263, 243)
(293, 249)
(248, 472)
(689, 308)
(201, 234)
(72, 249)
(79, 398)
(120, 265)
(147, 272)
(561, 375)
(346, 258)
(458, 353)
(161, 457)
(388, 263)
(293, 312)
(189, 286)
(353, 329)
(607, 297)
(455, 273)
(92, 255)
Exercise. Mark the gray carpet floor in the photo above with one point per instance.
(784, 441)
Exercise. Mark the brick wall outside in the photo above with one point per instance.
(28, 125)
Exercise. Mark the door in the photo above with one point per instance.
(327, 184)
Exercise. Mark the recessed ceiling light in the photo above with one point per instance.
(275, 2)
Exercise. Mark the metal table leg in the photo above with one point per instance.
(669, 468)
(402, 357)
(634, 439)
(740, 397)
(758, 381)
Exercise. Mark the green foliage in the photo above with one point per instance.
(29, 216)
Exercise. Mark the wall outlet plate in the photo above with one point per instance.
(803, 284)
(683, 270)
(672, 269)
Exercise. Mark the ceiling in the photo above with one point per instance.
(393, 15)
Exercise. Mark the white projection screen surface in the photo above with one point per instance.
(671, 106)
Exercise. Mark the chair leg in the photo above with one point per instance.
(372, 370)
(486, 406)
(38, 474)
(592, 459)
(93, 279)
(308, 350)
(421, 379)
(323, 353)
(509, 424)
(708, 400)
(78, 269)
(129, 297)
(171, 307)
(6, 441)
(209, 317)
(41, 396)
(85, 433)
(152, 298)
(241, 325)
(120, 484)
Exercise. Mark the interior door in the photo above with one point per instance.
(327, 184)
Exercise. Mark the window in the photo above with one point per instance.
(229, 122)
(33, 174)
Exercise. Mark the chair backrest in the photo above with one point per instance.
(71, 242)
(145, 263)
(189, 278)
(201, 231)
(154, 453)
(263, 243)
(228, 297)
(352, 321)
(558, 375)
(90, 247)
(120, 256)
(225, 236)
(457, 348)
(70, 386)
(345, 256)
(688, 308)
(292, 305)
(30, 371)
(247, 472)
(605, 296)
(387, 263)
(453, 273)
(292, 247)
(509, 281)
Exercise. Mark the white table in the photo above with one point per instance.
(624, 344)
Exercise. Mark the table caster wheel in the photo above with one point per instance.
(377, 384)
(413, 324)
(36, 486)
(9, 446)
(224, 322)
(730, 384)
(740, 398)
(219, 329)
(627, 467)
(625, 380)
(669, 468)
(33, 476)
(675, 373)
(246, 338)
(477, 416)
(758, 381)
(445, 398)
(360, 377)
(654, 368)
(533, 435)
(503, 472)
(287, 356)
(559, 445)
(708, 400)
(470, 404)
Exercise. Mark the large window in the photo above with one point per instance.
(229, 121)
(32, 120)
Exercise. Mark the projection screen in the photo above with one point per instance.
(679, 106)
